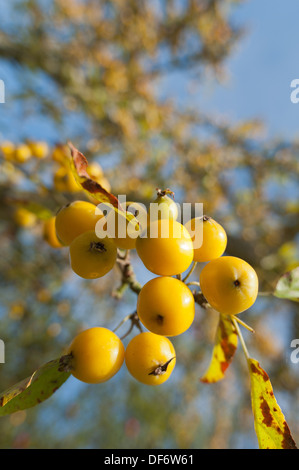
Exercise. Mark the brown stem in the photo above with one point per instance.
(162, 368)
(128, 279)
(200, 299)
(134, 319)
(164, 192)
(65, 363)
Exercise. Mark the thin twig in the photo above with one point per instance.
(241, 338)
(243, 324)
(128, 279)
(134, 319)
(191, 271)
(193, 283)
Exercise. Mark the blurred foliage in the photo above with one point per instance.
(106, 62)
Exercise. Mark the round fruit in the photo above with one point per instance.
(97, 355)
(60, 154)
(123, 228)
(22, 153)
(24, 218)
(229, 284)
(165, 247)
(8, 150)
(39, 149)
(92, 257)
(105, 184)
(49, 233)
(74, 219)
(166, 306)
(139, 211)
(209, 238)
(163, 207)
(95, 171)
(150, 358)
(64, 181)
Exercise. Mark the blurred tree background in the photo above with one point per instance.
(94, 69)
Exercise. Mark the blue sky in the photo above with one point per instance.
(262, 69)
(259, 71)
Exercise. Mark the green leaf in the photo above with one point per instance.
(270, 425)
(36, 388)
(288, 286)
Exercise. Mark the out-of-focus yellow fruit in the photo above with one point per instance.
(64, 181)
(22, 153)
(39, 149)
(60, 154)
(105, 184)
(8, 150)
(95, 171)
(49, 233)
(24, 218)
(17, 310)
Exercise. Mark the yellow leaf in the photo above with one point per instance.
(223, 352)
(79, 167)
(271, 427)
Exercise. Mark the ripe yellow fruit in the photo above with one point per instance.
(8, 150)
(92, 257)
(64, 181)
(139, 211)
(209, 238)
(49, 233)
(95, 171)
(76, 218)
(166, 306)
(229, 284)
(122, 231)
(165, 247)
(61, 154)
(150, 358)
(22, 153)
(105, 184)
(97, 355)
(24, 218)
(163, 207)
(39, 149)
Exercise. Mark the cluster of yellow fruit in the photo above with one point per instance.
(165, 304)
(64, 180)
(21, 153)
